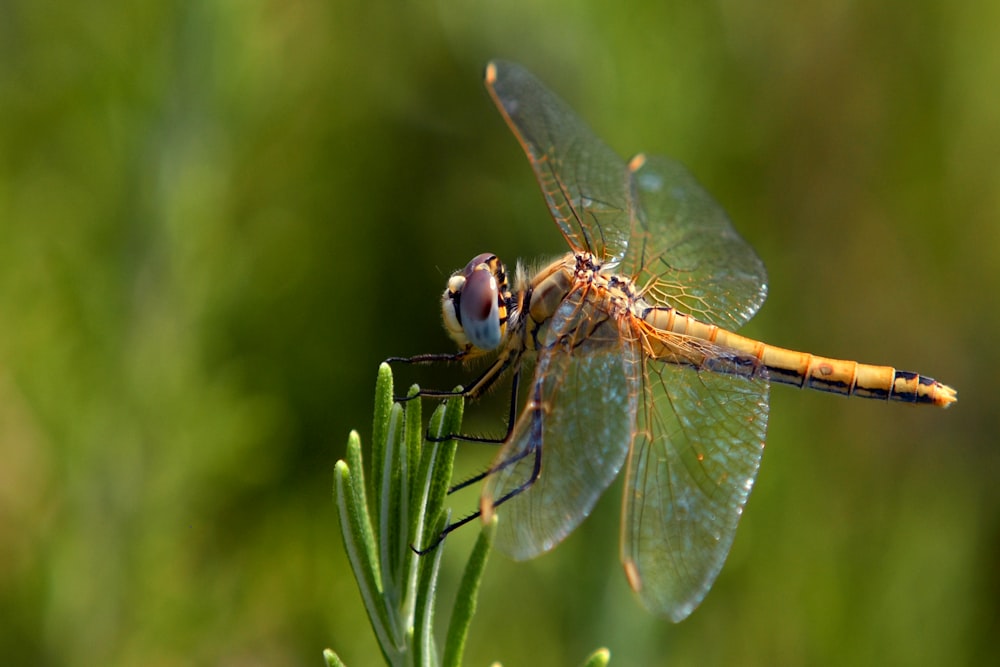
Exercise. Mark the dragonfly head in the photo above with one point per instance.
(474, 304)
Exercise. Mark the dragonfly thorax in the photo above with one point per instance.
(474, 304)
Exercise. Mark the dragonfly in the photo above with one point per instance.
(628, 339)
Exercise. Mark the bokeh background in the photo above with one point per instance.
(216, 218)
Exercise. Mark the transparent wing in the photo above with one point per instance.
(586, 184)
(686, 253)
(695, 457)
(668, 233)
(575, 430)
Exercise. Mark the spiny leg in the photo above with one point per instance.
(535, 470)
(486, 440)
(473, 391)
(535, 448)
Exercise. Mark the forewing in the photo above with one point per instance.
(669, 231)
(694, 460)
(576, 425)
(685, 251)
(586, 184)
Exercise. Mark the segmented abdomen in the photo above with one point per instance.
(805, 370)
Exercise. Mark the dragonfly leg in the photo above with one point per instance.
(535, 470)
(486, 440)
(472, 391)
(439, 538)
(444, 357)
(535, 447)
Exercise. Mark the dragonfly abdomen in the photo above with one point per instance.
(850, 378)
(809, 371)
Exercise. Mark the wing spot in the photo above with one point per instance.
(632, 574)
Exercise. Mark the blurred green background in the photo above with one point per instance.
(216, 218)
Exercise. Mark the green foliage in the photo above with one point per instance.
(409, 481)
(408, 484)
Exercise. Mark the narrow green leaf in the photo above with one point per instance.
(410, 497)
(388, 490)
(380, 426)
(598, 658)
(402, 454)
(359, 499)
(358, 542)
(423, 639)
(420, 492)
(446, 420)
(414, 435)
(468, 592)
(332, 659)
(436, 464)
(434, 474)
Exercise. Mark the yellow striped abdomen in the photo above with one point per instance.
(801, 369)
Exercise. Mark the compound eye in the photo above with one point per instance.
(479, 310)
(449, 309)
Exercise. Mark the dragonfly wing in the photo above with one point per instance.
(586, 184)
(652, 216)
(697, 450)
(686, 253)
(573, 434)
